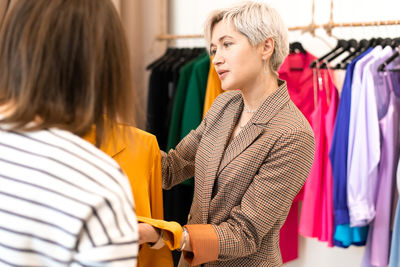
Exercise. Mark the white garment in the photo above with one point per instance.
(364, 143)
(63, 202)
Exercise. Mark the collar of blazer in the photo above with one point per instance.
(272, 104)
(252, 130)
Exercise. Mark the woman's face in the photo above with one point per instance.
(236, 61)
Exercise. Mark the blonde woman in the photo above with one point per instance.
(252, 152)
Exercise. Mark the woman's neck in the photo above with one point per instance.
(254, 97)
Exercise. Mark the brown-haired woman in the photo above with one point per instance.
(64, 69)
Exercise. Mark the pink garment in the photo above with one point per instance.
(328, 219)
(299, 78)
(317, 211)
(288, 241)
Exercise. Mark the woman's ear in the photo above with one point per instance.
(268, 47)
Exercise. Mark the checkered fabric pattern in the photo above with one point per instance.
(244, 188)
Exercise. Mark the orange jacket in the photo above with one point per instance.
(139, 157)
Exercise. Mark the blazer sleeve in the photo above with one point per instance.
(178, 164)
(267, 201)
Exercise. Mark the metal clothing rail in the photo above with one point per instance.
(308, 28)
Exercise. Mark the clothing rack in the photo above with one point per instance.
(309, 28)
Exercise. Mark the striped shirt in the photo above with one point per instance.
(63, 202)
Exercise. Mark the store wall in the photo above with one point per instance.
(143, 20)
(187, 17)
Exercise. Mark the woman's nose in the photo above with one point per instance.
(217, 59)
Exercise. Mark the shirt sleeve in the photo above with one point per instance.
(107, 241)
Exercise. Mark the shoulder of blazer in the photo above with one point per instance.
(222, 101)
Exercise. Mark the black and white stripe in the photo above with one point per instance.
(63, 202)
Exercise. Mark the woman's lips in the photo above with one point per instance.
(222, 74)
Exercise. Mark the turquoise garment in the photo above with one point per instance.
(395, 246)
(347, 235)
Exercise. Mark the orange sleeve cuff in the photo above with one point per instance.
(204, 242)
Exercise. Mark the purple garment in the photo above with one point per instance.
(389, 126)
(377, 248)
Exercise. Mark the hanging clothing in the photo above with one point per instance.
(389, 126)
(377, 251)
(317, 210)
(332, 99)
(140, 158)
(195, 95)
(344, 236)
(163, 82)
(213, 88)
(395, 242)
(159, 97)
(298, 76)
(174, 133)
(364, 145)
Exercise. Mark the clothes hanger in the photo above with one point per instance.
(395, 42)
(386, 42)
(363, 45)
(297, 47)
(175, 56)
(339, 47)
(187, 55)
(383, 66)
(349, 47)
(161, 59)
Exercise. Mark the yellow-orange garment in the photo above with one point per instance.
(172, 231)
(213, 88)
(140, 158)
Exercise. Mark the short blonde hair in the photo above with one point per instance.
(256, 21)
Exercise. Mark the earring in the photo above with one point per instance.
(265, 67)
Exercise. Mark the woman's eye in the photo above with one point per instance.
(227, 44)
(213, 51)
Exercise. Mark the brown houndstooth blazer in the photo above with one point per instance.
(245, 188)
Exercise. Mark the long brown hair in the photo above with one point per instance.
(65, 64)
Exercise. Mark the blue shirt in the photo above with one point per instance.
(338, 157)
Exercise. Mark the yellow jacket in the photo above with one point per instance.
(139, 157)
(213, 88)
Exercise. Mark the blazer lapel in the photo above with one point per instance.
(256, 125)
(239, 144)
(223, 132)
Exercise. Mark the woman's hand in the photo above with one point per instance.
(148, 234)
